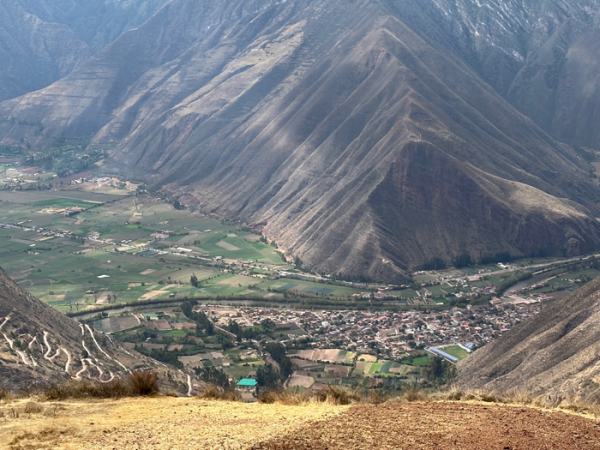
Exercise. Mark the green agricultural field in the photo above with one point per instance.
(456, 351)
(375, 367)
(308, 287)
(419, 361)
(62, 203)
(175, 333)
(73, 273)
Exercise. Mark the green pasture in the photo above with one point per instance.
(456, 351)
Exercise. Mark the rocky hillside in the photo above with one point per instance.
(556, 352)
(540, 55)
(39, 345)
(41, 41)
(364, 137)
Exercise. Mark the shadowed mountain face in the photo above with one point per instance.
(556, 352)
(39, 345)
(361, 135)
(41, 41)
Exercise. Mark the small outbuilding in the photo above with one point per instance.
(247, 383)
(248, 389)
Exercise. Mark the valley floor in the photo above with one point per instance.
(175, 423)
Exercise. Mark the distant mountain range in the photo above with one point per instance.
(40, 346)
(42, 41)
(365, 137)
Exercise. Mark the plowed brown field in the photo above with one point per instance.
(443, 426)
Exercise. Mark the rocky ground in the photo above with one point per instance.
(174, 423)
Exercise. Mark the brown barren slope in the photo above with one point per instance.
(171, 423)
(41, 346)
(555, 353)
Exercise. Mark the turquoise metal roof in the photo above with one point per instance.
(247, 382)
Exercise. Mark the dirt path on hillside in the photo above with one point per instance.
(444, 426)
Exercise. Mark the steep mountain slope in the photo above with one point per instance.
(39, 345)
(540, 55)
(556, 352)
(41, 41)
(358, 144)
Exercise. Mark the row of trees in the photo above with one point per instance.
(202, 322)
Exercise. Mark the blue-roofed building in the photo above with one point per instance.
(442, 354)
(470, 346)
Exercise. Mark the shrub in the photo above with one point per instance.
(339, 395)
(214, 392)
(285, 397)
(135, 385)
(86, 389)
(143, 383)
(415, 394)
(32, 408)
(375, 397)
(5, 395)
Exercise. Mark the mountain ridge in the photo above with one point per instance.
(291, 115)
(43, 41)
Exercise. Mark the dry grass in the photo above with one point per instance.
(152, 422)
(339, 395)
(285, 397)
(334, 395)
(85, 389)
(415, 394)
(167, 422)
(520, 397)
(214, 392)
(5, 395)
(135, 385)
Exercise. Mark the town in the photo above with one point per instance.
(385, 333)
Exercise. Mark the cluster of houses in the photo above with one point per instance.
(40, 230)
(105, 182)
(385, 332)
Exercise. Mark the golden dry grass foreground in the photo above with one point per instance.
(175, 423)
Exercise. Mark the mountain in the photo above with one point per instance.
(39, 345)
(555, 353)
(540, 55)
(41, 41)
(365, 137)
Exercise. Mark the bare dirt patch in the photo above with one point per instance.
(102, 298)
(301, 381)
(227, 246)
(150, 295)
(444, 426)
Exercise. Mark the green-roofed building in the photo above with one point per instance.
(247, 383)
(248, 389)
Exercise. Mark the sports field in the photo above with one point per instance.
(456, 351)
